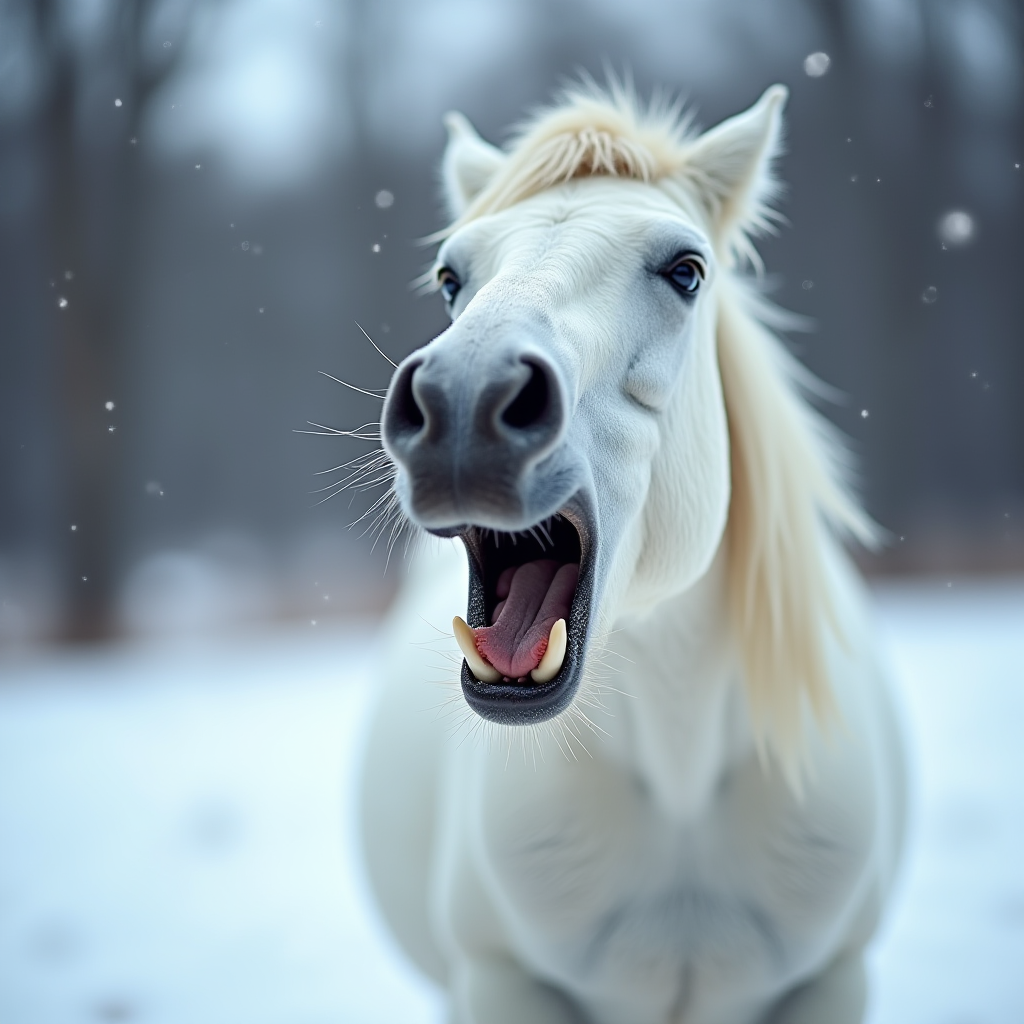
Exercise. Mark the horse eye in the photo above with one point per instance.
(448, 284)
(686, 275)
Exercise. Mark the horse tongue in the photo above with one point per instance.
(539, 594)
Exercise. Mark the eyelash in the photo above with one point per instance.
(448, 284)
(692, 263)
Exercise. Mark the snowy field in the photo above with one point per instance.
(176, 840)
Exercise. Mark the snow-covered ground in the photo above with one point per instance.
(176, 840)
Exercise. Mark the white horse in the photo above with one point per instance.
(708, 834)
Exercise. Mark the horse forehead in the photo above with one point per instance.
(590, 223)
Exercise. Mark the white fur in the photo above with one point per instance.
(709, 833)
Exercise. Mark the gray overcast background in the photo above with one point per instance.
(191, 225)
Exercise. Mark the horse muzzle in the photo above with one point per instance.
(477, 434)
(469, 426)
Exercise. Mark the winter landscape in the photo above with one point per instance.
(178, 840)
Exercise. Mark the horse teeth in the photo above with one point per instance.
(551, 664)
(467, 644)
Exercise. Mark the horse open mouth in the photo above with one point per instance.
(529, 611)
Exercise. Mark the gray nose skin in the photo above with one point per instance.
(468, 425)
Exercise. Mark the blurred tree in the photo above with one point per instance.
(99, 65)
(918, 114)
(921, 113)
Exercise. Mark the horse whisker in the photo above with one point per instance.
(375, 345)
(362, 391)
(335, 432)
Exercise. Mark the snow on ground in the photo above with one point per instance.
(176, 838)
(952, 951)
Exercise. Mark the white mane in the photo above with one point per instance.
(788, 469)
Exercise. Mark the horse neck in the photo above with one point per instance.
(684, 721)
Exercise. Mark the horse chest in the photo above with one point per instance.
(604, 896)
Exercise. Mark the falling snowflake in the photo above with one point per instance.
(109, 406)
(62, 302)
(816, 64)
(930, 295)
(383, 199)
(956, 228)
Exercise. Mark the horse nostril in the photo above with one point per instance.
(529, 407)
(404, 413)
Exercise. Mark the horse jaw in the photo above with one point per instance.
(683, 518)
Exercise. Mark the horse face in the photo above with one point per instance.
(575, 395)
(568, 426)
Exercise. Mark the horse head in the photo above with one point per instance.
(571, 424)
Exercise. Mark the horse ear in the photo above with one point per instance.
(731, 167)
(469, 164)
